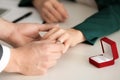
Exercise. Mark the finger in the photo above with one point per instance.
(46, 41)
(45, 27)
(56, 47)
(50, 32)
(51, 46)
(55, 13)
(40, 70)
(52, 56)
(67, 45)
(61, 9)
(55, 55)
(45, 18)
(50, 16)
(49, 64)
(65, 12)
(63, 38)
(56, 34)
(52, 64)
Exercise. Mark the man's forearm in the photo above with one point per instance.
(13, 65)
(6, 29)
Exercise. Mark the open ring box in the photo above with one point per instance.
(110, 54)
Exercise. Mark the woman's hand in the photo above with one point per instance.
(69, 37)
(51, 10)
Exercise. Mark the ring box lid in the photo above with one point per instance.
(109, 48)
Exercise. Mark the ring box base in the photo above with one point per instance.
(109, 55)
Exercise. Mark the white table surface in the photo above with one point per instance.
(74, 65)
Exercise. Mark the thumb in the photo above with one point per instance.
(47, 27)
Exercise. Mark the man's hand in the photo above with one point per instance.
(34, 58)
(24, 33)
(51, 10)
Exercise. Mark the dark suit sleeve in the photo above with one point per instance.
(103, 23)
(1, 52)
(25, 3)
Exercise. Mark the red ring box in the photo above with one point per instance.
(110, 54)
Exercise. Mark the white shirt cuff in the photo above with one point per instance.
(5, 57)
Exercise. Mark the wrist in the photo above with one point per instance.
(82, 37)
(13, 65)
(6, 29)
(79, 35)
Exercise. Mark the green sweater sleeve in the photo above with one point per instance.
(103, 23)
(25, 3)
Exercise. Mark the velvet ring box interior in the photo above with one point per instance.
(109, 55)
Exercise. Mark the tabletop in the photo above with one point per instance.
(74, 65)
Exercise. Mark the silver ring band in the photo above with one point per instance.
(58, 41)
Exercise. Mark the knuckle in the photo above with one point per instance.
(62, 30)
(43, 71)
(46, 47)
(46, 65)
(54, 63)
(50, 37)
(46, 57)
(67, 34)
(46, 4)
